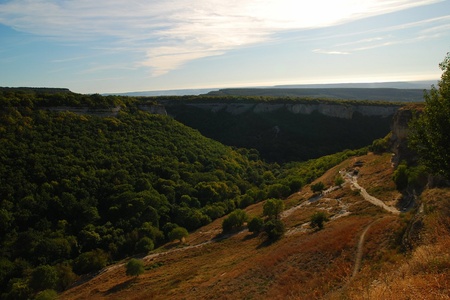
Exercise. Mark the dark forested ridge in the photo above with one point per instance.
(79, 190)
(372, 94)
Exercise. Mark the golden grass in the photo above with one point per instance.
(304, 264)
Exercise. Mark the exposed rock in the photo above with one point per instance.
(338, 110)
(399, 137)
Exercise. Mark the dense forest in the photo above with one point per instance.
(79, 191)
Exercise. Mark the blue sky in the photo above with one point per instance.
(122, 46)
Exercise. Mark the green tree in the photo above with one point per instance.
(274, 229)
(234, 220)
(43, 277)
(429, 131)
(90, 261)
(272, 208)
(47, 295)
(134, 267)
(255, 225)
(144, 245)
(318, 219)
(400, 176)
(318, 187)
(178, 233)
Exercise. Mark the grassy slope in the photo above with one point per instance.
(304, 264)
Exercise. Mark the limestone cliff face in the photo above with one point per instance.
(153, 109)
(338, 110)
(399, 138)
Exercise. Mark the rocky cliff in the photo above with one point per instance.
(337, 110)
(400, 130)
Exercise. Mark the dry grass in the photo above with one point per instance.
(305, 264)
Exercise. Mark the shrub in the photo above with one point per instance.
(90, 261)
(272, 208)
(400, 177)
(178, 233)
(43, 277)
(234, 220)
(144, 245)
(318, 187)
(338, 180)
(46, 295)
(134, 267)
(255, 225)
(274, 229)
(317, 219)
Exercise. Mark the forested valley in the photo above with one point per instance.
(79, 191)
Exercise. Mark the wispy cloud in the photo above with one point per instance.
(392, 35)
(169, 34)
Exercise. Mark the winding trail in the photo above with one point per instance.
(375, 201)
(360, 248)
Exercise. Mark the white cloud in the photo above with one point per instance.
(171, 33)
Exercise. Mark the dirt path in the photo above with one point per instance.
(360, 248)
(353, 180)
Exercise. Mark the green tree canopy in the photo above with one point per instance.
(134, 267)
(272, 208)
(429, 131)
(234, 220)
(178, 233)
(43, 277)
(318, 219)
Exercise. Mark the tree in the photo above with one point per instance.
(43, 277)
(178, 233)
(318, 187)
(234, 220)
(317, 219)
(47, 295)
(275, 229)
(272, 208)
(144, 245)
(429, 131)
(255, 225)
(135, 267)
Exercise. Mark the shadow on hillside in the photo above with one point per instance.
(250, 236)
(120, 286)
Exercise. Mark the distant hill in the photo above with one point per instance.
(181, 92)
(284, 89)
(372, 94)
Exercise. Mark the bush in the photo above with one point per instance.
(134, 267)
(178, 233)
(43, 277)
(47, 295)
(144, 245)
(272, 208)
(400, 176)
(274, 229)
(255, 225)
(90, 261)
(234, 220)
(318, 187)
(317, 219)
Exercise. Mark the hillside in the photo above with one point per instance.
(358, 255)
(88, 180)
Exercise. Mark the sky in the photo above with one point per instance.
(113, 46)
